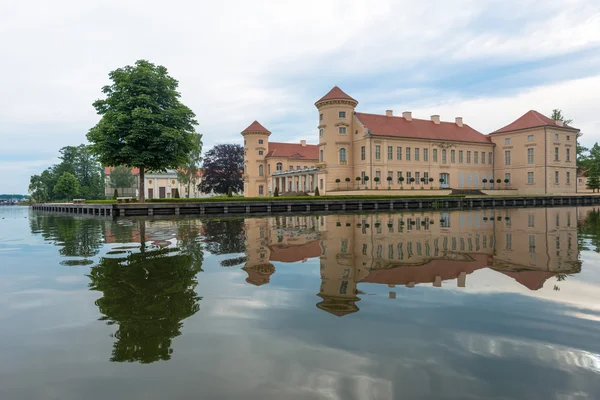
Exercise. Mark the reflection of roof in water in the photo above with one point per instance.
(259, 274)
(338, 305)
(426, 273)
(295, 253)
(532, 280)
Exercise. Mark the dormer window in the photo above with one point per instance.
(342, 114)
(342, 130)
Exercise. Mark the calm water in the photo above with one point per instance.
(461, 305)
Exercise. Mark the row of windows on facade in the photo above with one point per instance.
(531, 155)
(531, 178)
(530, 138)
(341, 114)
(415, 154)
(279, 167)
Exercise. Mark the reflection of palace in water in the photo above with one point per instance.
(408, 249)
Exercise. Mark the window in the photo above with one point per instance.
(507, 141)
(507, 177)
(391, 175)
(279, 166)
(390, 152)
(530, 156)
(378, 175)
(321, 132)
(507, 157)
(443, 156)
(425, 154)
(291, 167)
(261, 190)
(260, 141)
(568, 178)
(398, 153)
(531, 220)
(530, 178)
(556, 151)
(321, 157)
(434, 153)
(408, 176)
(342, 156)
(532, 243)
(342, 130)
(530, 137)
(342, 114)
(363, 153)
(362, 178)
(260, 152)
(426, 176)
(417, 177)
(568, 137)
(408, 154)
(556, 136)
(416, 154)
(476, 157)
(468, 157)
(378, 152)
(399, 176)
(490, 157)
(460, 156)
(568, 154)
(556, 176)
(320, 117)
(483, 157)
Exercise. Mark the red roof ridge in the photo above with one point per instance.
(256, 127)
(336, 94)
(532, 119)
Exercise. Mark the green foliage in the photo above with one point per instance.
(121, 177)
(78, 161)
(143, 122)
(222, 169)
(229, 192)
(115, 194)
(67, 186)
(594, 181)
(498, 180)
(189, 174)
(276, 192)
(101, 201)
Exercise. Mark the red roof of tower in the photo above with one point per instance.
(256, 127)
(293, 150)
(382, 125)
(336, 94)
(532, 119)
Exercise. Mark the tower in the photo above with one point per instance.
(256, 147)
(336, 127)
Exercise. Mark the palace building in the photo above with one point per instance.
(532, 155)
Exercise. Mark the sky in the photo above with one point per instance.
(240, 61)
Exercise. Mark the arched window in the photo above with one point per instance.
(279, 166)
(261, 170)
(342, 155)
(321, 155)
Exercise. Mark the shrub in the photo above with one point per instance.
(276, 192)
(498, 180)
(229, 192)
(317, 191)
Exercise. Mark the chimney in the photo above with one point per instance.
(303, 143)
(407, 115)
(435, 119)
(389, 113)
(559, 122)
(459, 121)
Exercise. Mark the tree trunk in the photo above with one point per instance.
(142, 195)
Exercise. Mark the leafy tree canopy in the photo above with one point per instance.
(222, 169)
(121, 177)
(189, 174)
(67, 186)
(143, 123)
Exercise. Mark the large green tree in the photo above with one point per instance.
(143, 123)
(222, 169)
(121, 177)
(67, 186)
(189, 174)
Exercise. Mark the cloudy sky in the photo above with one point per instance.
(237, 61)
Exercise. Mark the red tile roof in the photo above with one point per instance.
(382, 125)
(256, 127)
(532, 280)
(108, 170)
(532, 119)
(336, 94)
(293, 150)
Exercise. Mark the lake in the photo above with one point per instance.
(494, 304)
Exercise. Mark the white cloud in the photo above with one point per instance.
(238, 60)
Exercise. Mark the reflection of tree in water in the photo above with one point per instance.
(76, 237)
(149, 294)
(590, 229)
(224, 236)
